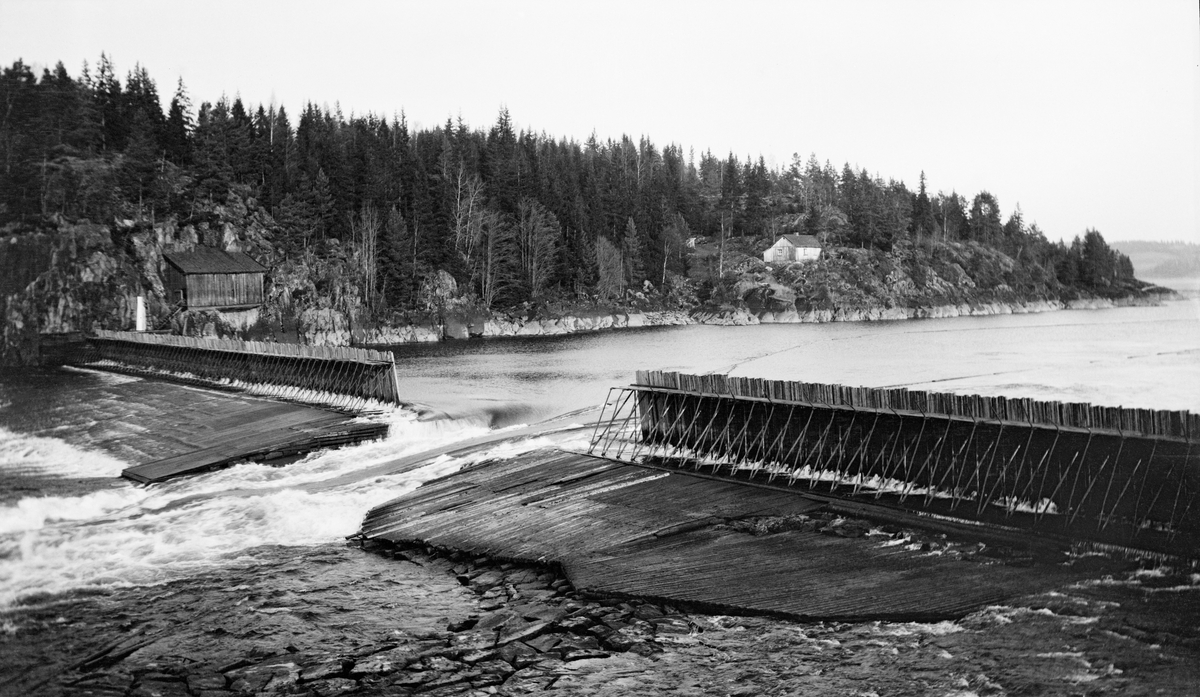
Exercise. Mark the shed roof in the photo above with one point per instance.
(802, 240)
(212, 260)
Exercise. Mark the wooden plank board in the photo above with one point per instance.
(144, 421)
(254, 445)
(624, 530)
(804, 575)
(249, 429)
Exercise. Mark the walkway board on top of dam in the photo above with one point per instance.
(215, 431)
(624, 530)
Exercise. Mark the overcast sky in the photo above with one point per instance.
(1085, 113)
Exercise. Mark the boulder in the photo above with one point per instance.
(769, 296)
(455, 328)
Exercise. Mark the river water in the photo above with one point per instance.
(105, 531)
(68, 525)
(1145, 357)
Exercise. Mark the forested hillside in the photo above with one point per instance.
(369, 215)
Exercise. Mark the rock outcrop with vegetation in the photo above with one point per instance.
(916, 280)
(75, 276)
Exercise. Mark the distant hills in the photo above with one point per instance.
(1162, 259)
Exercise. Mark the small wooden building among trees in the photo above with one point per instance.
(209, 278)
(789, 248)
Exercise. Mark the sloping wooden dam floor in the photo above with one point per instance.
(623, 530)
(210, 431)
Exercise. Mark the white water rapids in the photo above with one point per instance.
(137, 535)
(100, 533)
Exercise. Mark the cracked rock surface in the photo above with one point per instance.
(336, 620)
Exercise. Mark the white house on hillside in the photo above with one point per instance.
(793, 248)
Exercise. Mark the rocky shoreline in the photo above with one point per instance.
(876, 314)
(329, 331)
(460, 328)
(85, 275)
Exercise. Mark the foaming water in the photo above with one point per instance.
(37, 512)
(103, 377)
(23, 454)
(135, 535)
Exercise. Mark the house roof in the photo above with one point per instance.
(802, 240)
(212, 260)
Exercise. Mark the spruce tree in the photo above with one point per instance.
(177, 132)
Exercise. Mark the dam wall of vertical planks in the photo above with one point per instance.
(1111, 476)
(336, 376)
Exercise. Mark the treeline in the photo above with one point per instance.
(512, 215)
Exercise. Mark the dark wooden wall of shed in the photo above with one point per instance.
(224, 289)
(175, 285)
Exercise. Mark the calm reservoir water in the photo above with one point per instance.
(67, 523)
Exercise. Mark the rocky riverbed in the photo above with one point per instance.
(337, 619)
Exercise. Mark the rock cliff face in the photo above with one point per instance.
(80, 276)
(88, 281)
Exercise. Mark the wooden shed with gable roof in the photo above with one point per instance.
(791, 247)
(210, 278)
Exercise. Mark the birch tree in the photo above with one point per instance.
(365, 227)
(538, 235)
(468, 203)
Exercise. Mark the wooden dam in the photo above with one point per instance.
(1121, 477)
(295, 399)
(680, 467)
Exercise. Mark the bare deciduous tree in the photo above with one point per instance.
(365, 227)
(610, 269)
(674, 242)
(468, 210)
(538, 235)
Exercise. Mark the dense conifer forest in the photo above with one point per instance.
(374, 208)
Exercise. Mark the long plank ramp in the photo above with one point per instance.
(258, 430)
(623, 530)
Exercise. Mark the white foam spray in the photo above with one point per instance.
(136, 535)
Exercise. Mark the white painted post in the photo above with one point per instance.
(140, 318)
